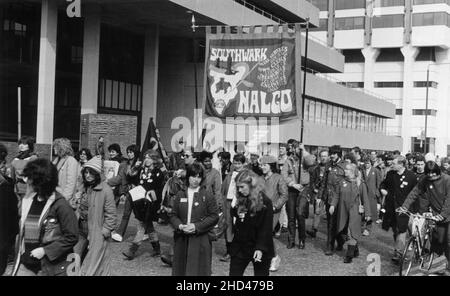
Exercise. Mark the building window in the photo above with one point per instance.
(16, 27)
(422, 112)
(120, 95)
(417, 145)
(323, 25)
(350, 4)
(424, 84)
(386, 3)
(431, 19)
(390, 55)
(427, 54)
(385, 84)
(420, 2)
(76, 54)
(389, 21)
(353, 56)
(398, 111)
(349, 23)
(352, 84)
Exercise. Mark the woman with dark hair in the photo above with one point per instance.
(83, 156)
(97, 213)
(212, 181)
(48, 228)
(131, 180)
(433, 192)
(67, 167)
(26, 154)
(118, 183)
(252, 241)
(151, 180)
(194, 214)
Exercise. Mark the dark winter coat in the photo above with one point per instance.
(57, 208)
(193, 252)
(9, 214)
(334, 173)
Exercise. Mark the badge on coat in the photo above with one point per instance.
(183, 199)
(196, 204)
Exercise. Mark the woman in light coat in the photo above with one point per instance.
(67, 167)
(97, 212)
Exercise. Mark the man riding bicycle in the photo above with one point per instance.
(433, 192)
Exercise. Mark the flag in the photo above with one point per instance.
(152, 140)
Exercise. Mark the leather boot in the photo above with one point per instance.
(356, 255)
(156, 249)
(131, 252)
(350, 253)
(330, 248)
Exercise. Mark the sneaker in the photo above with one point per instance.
(378, 221)
(366, 232)
(167, 259)
(275, 263)
(145, 237)
(116, 237)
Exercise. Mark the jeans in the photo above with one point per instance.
(295, 207)
(128, 208)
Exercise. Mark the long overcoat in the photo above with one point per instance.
(193, 252)
(373, 180)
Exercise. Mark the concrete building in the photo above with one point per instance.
(388, 46)
(137, 58)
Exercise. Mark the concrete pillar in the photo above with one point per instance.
(331, 20)
(46, 80)
(409, 53)
(441, 71)
(91, 59)
(150, 78)
(370, 56)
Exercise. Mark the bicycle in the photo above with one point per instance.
(418, 250)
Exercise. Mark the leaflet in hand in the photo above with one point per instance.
(137, 193)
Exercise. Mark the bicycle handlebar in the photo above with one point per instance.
(427, 216)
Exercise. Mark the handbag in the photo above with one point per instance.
(219, 230)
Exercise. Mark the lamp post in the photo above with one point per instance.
(426, 104)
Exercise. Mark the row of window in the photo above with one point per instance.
(389, 21)
(120, 95)
(431, 19)
(417, 112)
(349, 23)
(352, 4)
(419, 2)
(352, 84)
(386, 3)
(384, 84)
(333, 115)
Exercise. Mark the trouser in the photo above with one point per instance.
(128, 208)
(229, 221)
(283, 217)
(319, 208)
(143, 228)
(23, 271)
(295, 207)
(239, 264)
(332, 228)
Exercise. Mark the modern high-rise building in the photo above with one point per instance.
(389, 46)
(141, 59)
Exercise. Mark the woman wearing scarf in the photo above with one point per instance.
(252, 241)
(349, 201)
(97, 213)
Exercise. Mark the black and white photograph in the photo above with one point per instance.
(219, 139)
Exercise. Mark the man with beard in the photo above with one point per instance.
(398, 184)
(335, 173)
(317, 177)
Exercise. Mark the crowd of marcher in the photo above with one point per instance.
(53, 209)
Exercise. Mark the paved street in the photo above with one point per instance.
(295, 262)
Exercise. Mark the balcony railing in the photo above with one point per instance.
(260, 11)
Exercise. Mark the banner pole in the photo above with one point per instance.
(19, 112)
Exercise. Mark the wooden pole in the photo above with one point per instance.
(19, 112)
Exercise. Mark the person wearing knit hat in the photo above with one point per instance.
(94, 163)
(276, 189)
(97, 209)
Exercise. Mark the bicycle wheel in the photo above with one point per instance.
(410, 258)
(427, 256)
